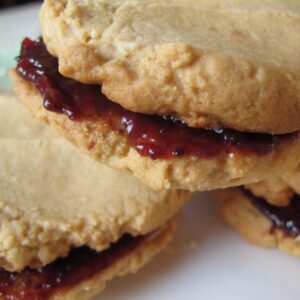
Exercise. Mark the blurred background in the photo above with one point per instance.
(18, 19)
(8, 3)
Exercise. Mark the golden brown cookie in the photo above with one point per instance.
(96, 137)
(254, 223)
(212, 63)
(17, 123)
(83, 273)
(53, 198)
(278, 190)
(275, 190)
(292, 179)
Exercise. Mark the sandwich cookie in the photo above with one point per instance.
(184, 94)
(161, 150)
(260, 222)
(211, 63)
(70, 224)
(280, 190)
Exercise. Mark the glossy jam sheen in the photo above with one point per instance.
(62, 275)
(150, 135)
(285, 218)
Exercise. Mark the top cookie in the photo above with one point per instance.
(213, 63)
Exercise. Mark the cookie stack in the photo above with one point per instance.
(70, 224)
(184, 95)
(191, 104)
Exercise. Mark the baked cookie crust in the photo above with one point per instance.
(97, 139)
(278, 190)
(211, 63)
(131, 262)
(237, 210)
(275, 190)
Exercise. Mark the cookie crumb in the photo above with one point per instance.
(191, 245)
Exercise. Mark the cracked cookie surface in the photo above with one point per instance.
(211, 63)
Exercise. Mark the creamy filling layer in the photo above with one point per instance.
(82, 264)
(151, 135)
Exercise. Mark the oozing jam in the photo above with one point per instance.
(65, 273)
(285, 218)
(151, 135)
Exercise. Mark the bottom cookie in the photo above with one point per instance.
(84, 272)
(278, 191)
(260, 222)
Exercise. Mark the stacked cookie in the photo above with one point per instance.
(184, 95)
(70, 224)
(188, 104)
(266, 213)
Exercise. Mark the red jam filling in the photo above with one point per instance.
(62, 275)
(151, 135)
(285, 218)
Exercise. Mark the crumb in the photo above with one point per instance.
(191, 245)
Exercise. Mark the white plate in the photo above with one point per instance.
(207, 260)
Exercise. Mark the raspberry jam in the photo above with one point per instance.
(151, 135)
(64, 274)
(285, 218)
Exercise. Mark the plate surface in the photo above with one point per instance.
(207, 260)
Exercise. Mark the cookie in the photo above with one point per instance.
(53, 198)
(210, 63)
(292, 179)
(83, 273)
(278, 190)
(162, 152)
(259, 222)
(275, 190)
(17, 123)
